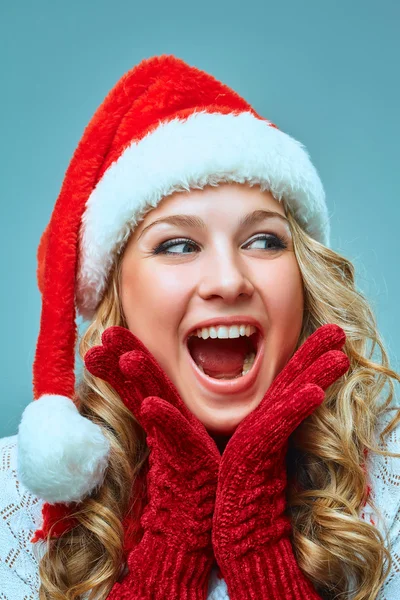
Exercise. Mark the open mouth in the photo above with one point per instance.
(226, 365)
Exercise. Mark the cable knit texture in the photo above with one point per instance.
(254, 552)
(21, 515)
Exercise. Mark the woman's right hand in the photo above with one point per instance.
(175, 555)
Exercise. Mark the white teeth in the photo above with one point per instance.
(248, 362)
(223, 332)
(234, 331)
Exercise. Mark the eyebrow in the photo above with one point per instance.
(192, 221)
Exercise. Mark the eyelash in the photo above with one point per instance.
(162, 248)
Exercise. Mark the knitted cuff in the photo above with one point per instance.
(271, 573)
(162, 571)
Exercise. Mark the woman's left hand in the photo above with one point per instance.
(251, 534)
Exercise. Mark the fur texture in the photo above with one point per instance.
(62, 456)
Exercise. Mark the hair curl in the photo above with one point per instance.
(327, 478)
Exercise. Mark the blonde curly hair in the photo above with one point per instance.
(327, 479)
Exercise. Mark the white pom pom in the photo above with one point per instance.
(62, 456)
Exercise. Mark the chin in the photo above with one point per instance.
(224, 425)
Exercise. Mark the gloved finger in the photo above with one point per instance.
(324, 371)
(257, 438)
(103, 364)
(169, 430)
(325, 338)
(150, 380)
(120, 340)
(142, 379)
(133, 364)
(102, 360)
(288, 415)
(145, 367)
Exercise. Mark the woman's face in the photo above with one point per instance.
(223, 267)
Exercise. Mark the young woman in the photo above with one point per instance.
(222, 441)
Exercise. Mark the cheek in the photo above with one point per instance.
(284, 299)
(152, 301)
(281, 282)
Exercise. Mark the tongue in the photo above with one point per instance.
(220, 357)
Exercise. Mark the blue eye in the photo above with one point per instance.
(275, 242)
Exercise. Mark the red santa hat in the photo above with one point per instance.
(165, 127)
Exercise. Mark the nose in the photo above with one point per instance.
(225, 276)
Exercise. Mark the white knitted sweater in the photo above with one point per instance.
(20, 516)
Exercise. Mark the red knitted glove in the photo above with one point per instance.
(175, 555)
(127, 365)
(251, 534)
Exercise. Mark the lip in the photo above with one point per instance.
(231, 386)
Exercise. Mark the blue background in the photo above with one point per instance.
(327, 73)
